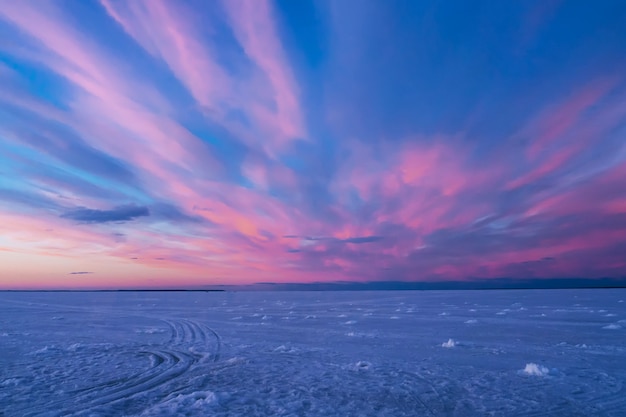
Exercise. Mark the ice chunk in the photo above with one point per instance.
(285, 349)
(362, 366)
(182, 404)
(44, 349)
(150, 330)
(75, 346)
(449, 344)
(535, 370)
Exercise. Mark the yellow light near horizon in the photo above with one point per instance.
(39, 271)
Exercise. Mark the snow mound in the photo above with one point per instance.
(236, 360)
(44, 349)
(362, 366)
(150, 330)
(182, 404)
(612, 327)
(535, 370)
(285, 349)
(10, 382)
(449, 344)
(75, 346)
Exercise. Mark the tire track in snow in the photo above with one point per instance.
(177, 364)
(188, 343)
(171, 363)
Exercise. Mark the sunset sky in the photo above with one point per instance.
(185, 143)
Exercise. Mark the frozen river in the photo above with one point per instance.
(410, 353)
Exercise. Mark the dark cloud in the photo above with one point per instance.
(364, 239)
(356, 240)
(170, 212)
(119, 237)
(80, 273)
(496, 283)
(118, 214)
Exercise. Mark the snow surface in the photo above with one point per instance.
(313, 354)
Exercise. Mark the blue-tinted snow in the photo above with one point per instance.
(458, 353)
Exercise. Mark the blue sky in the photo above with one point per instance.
(157, 143)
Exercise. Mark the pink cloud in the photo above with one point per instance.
(268, 97)
(110, 109)
(255, 28)
(557, 122)
(171, 33)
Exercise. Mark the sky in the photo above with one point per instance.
(187, 143)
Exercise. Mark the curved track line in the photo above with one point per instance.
(179, 364)
(170, 364)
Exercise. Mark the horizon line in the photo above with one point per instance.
(492, 284)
